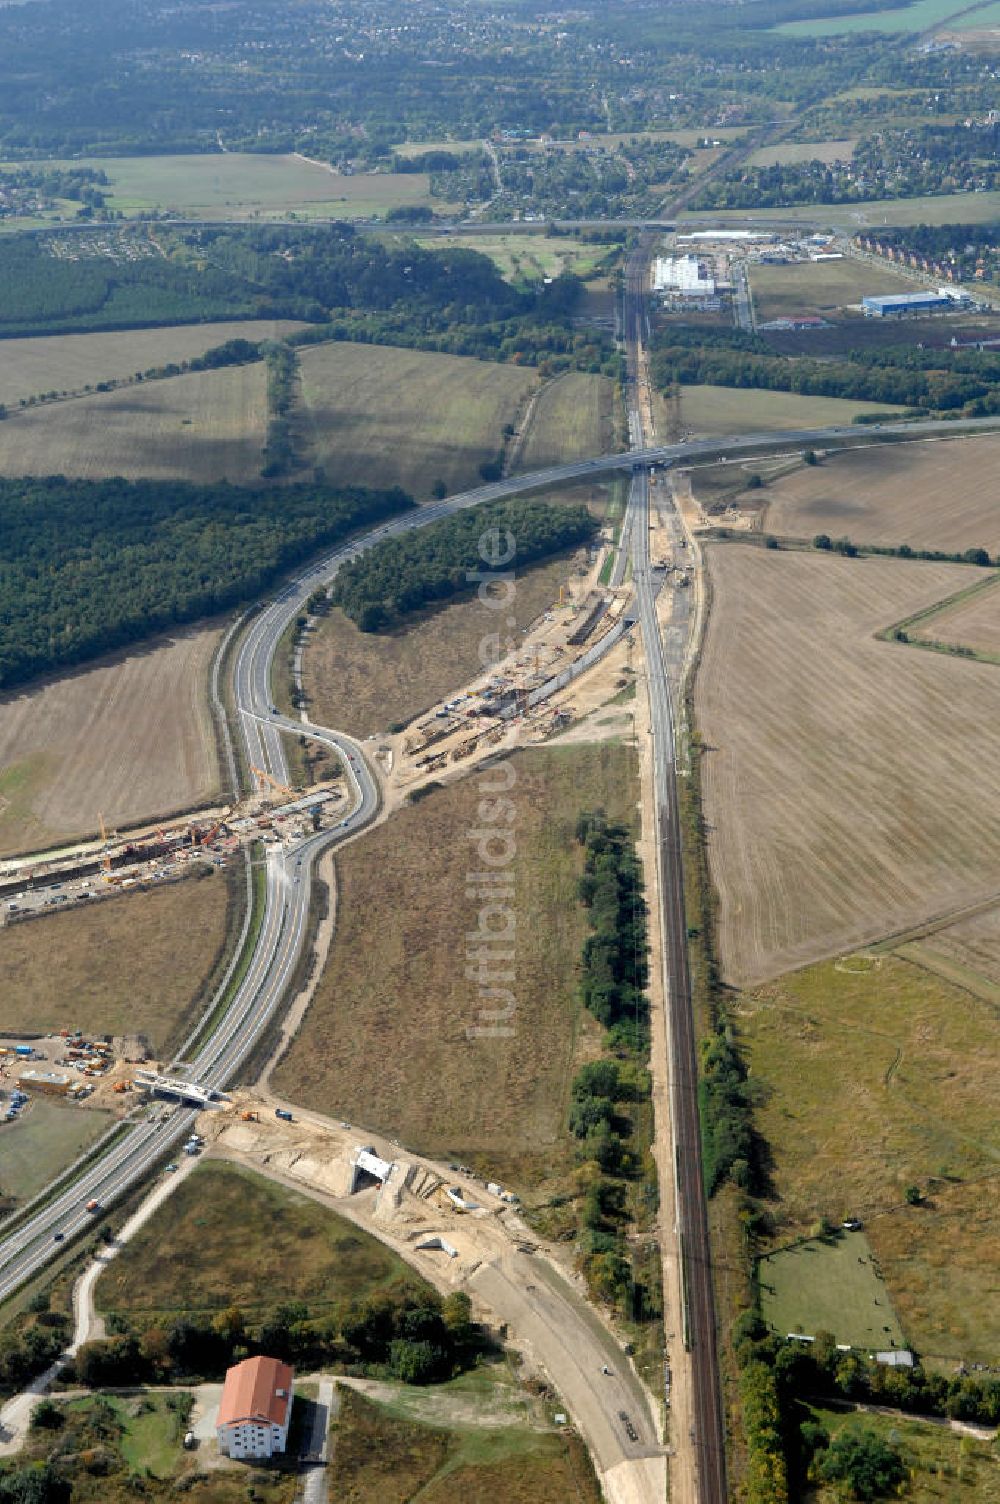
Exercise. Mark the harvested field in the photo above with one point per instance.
(364, 682)
(406, 883)
(928, 495)
(134, 964)
(973, 623)
(789, 152)
(203, 426)
(823, 288)
(227, 1236)
(46, 1138)
(69, 362)
(380, 416)
(573, 418)
(874, 1076)
(708, 410)
(972, 943)
(131, 738)
(847, 781)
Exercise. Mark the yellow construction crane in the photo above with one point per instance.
(266, 781)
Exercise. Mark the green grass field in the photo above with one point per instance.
(944, 1466)
(242, 185)
(382, 1456)
(941, 209)
(46, 1138)
(379, 416)
(229, 1236)
(524, 257)
(920, 16)
(829, 1285)
(712, 410)
(874, 1075)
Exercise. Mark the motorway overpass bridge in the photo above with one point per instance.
(173, 1086)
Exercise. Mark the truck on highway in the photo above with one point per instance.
(283, 1114)
(93, 1205)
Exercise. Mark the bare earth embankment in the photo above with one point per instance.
(130, 738)
(366, 682)
(936, 494)
(202, 426)
(850, 785)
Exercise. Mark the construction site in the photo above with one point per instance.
(273, 815)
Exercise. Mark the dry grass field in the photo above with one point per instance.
(379, 416)
(227, 1236)
(573, 418)
(235, 185)
(934, 209)
(848, 782)
(929, 495)
(383, 1455)
(132, 964)
(69, 362)
(364, 683)
(967, 950)
(709, 410)
(386, 1041)
(44, 1140)
(972, 623)
(203, 426)
(872, 1076)
(823, 288)
(130, 738)
(524, 257)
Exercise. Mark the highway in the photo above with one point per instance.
(26, 1250)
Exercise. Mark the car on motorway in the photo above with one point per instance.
(57, 1237)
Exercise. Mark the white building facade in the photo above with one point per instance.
(255, 1408)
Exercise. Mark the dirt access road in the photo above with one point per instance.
(497, 1259)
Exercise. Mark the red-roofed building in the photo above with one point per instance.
(255, 1408)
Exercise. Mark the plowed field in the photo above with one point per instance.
(130, 738)
(850, 785)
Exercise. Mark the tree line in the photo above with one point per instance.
(399, 576)
(610, 1111)
(960, 382)
(90, 565)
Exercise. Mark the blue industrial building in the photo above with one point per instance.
(900, 305)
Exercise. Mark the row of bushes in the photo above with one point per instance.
(411, 1334)
(977, 556)
(282, 372)
(610, 1112)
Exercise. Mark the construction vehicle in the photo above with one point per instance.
(267, 782)
(249, 1117)
(283, 1114)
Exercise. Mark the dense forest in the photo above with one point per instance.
(344, 284)
(90, 565)
(401, 575)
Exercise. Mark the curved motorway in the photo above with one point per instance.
(26, 1250)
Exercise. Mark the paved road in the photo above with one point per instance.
(26, 1250)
